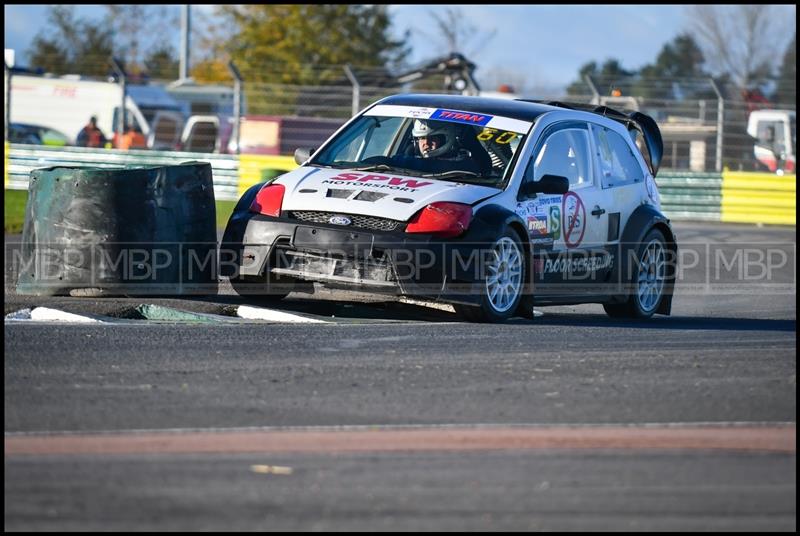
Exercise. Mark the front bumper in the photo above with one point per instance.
(387, 262)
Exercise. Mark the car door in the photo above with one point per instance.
(623, 177)
(569, 232)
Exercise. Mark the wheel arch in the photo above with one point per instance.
(493, 219)
(644, 219)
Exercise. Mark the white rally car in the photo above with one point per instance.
(492, 205)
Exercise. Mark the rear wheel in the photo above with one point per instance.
(502, 282)
(649, 280)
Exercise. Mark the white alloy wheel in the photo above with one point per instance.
(504, 275)
(651, 277)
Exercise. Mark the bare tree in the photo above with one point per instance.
(739, 40)
(141, 29)
(456, 34)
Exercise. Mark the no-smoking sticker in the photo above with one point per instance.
(574, 219)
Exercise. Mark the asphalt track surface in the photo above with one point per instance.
(396, 416)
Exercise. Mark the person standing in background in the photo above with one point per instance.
(132, 139)
(91, 135)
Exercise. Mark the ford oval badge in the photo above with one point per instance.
(340, 220)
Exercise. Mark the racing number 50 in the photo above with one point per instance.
(489, 133)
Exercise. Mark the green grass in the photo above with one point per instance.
(15, 211)
(224, 211)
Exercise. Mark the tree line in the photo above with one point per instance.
(734, 47)
(298, 43)
(307, 45)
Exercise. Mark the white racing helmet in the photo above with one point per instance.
(424, 129)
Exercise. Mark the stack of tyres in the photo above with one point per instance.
(135, 231)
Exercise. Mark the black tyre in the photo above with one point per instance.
(649, 279)
(502, 282)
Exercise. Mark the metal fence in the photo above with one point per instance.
(704, 125)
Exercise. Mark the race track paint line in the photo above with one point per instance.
(258, 313)
(777, 439)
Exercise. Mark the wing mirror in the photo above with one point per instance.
(548, 184)
(302, 154)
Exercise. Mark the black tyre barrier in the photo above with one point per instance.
(93, 232)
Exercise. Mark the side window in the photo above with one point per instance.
(618, 164)
(771, 134)
(564, 153)
(638, 140)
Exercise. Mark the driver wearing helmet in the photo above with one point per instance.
(445, 147)
(435, 140)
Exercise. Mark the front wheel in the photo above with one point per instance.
(502, 282)
(650, 276)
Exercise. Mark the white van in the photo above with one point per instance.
(66, 103)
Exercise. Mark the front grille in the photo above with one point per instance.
(359, 222)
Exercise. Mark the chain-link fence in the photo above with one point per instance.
(704, 124)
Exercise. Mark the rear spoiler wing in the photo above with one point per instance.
(644, 125)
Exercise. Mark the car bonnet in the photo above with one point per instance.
(380, 194)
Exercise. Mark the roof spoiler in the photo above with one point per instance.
(644, 124)
(652, 139)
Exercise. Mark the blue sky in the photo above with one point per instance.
(542, 46)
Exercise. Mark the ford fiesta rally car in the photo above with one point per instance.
(492, 205)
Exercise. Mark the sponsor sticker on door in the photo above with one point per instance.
(573, 219)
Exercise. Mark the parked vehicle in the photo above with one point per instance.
(36, 135)
(493, 205)
(775, 132)
(65, 104)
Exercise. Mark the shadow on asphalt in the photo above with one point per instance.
(389, 311)
(398, 311)
(681, 323)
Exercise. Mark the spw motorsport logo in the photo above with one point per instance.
(384, 181)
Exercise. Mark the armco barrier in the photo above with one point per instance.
(232, 174)
(25, 158)
(690, 196)
(759, 198)
(729, 197)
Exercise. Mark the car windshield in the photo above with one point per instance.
(449, 145)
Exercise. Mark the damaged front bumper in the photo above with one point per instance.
(357, 259)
